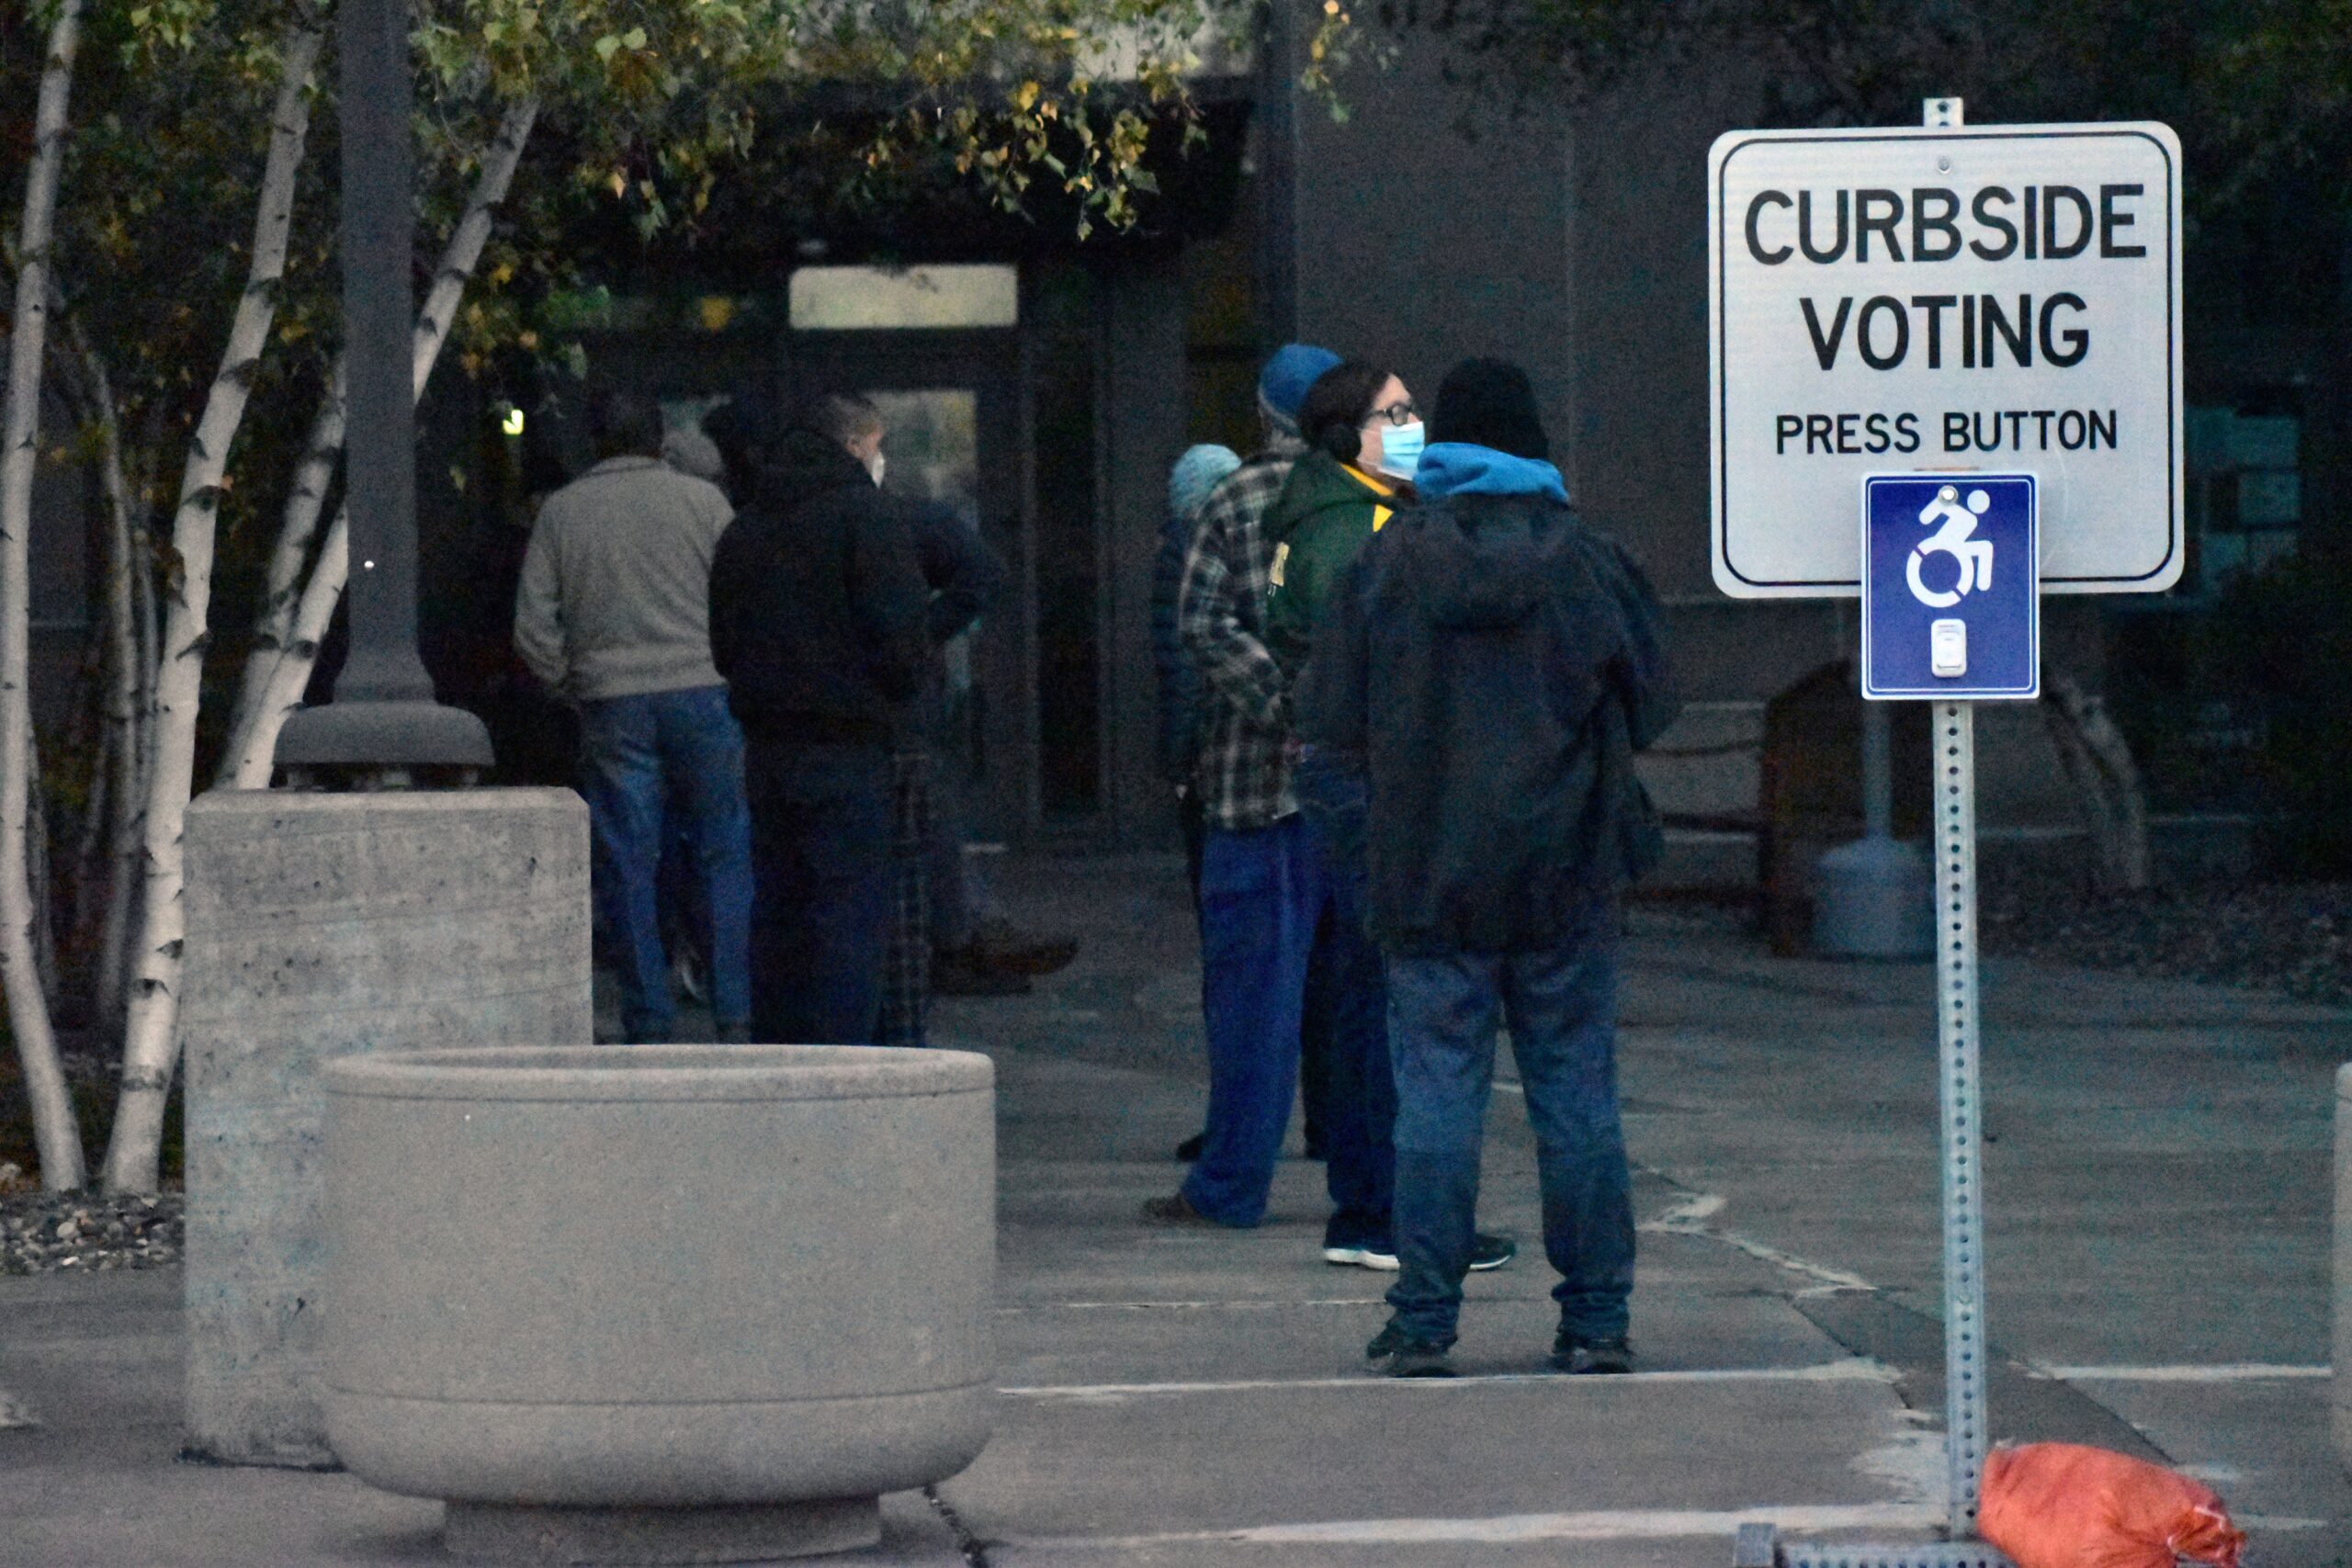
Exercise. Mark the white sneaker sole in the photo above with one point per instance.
(1360, 1258)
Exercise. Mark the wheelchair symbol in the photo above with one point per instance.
(1954, 538)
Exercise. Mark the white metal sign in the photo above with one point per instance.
(1994, 297)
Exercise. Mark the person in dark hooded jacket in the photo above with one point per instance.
(1491, 664)
(819, 623)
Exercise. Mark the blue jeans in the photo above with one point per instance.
(636, 753)
(1347, 1014)
(1261, 896)
(821, 836)
(1561, 1007)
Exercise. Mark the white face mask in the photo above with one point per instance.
(874, 465)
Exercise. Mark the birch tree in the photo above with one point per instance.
(278, 671)
(57, 1138)
(128, 679)
(150, 1033)
(659, 103)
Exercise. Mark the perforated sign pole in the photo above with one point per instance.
(1957, 1059)
(1956, 1055)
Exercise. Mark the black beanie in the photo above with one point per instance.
(1488, 402)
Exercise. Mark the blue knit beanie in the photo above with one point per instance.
(1283, 385)
(1196, 473)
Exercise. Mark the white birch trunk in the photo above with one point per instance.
(40, 886)
(150, 1036)
(55, 1136)
(129, 670)
(288, 681)
(280, 669)
(296, 529)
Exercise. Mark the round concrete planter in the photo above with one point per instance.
(2342, 1360)
(662, 1303)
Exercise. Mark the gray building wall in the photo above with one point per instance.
(1579, 251)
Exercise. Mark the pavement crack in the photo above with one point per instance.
(1693, 1214)
(976, 1553)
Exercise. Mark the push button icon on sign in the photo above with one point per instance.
(1939, 620)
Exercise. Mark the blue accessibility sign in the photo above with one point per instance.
(1951, 603)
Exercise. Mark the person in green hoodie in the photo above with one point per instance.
(1362, 436)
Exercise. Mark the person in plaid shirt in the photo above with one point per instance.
(1258, 862)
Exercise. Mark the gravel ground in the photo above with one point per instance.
(2295, 937)
(43, 1232)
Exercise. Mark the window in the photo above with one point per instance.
(853, 298)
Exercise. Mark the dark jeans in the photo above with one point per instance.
(1561, 1007)
(1261, 895)
(1276, 928)
(1345, 1079)
(822, 860)
(635, 752)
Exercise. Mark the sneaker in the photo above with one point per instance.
(1360, 1258)
(1597, 1357)
(1408, 1357)
(1489, 1252)
(1174, 1210)
(1417, 1360)
(1486, 1252)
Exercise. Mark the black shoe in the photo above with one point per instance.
(1190, 1149)
(1174, 1210)
(1490, 1252)
(956, 975)
(1596, 1357)
(1004, 948)
(1419, 1361)
(1408, 1357)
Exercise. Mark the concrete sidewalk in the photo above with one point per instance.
(2157, 1174)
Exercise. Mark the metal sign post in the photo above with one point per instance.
(1918, 624)
(1956, 1053)
(1980, 326)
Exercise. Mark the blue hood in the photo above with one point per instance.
(1456, 467)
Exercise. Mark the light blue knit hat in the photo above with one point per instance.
(1196, 473)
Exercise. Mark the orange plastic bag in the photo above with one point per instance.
(2063, 1506)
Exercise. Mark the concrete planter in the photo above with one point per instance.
(661, 1304)
(2341, 1389)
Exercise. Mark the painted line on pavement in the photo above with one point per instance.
(1317, 1302)
(1627, 1524)
(2224, 1372)
(1852, 1370)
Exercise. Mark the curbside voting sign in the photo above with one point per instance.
(1995, 298)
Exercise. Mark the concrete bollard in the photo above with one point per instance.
(2341, 1357)
(660, 1304)
(320, 925)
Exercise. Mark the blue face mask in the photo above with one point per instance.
(1400, 450)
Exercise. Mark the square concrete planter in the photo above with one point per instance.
(659, 1303)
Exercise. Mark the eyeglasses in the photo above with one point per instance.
(1399, 412)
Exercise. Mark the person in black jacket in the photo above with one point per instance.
(1492, 663)
(819, 623)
